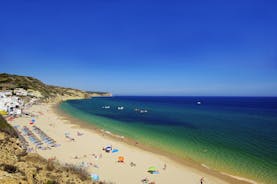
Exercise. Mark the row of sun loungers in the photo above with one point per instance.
(45, 138)
(32, 137)
(23, 141)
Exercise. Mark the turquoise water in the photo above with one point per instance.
(234, 135)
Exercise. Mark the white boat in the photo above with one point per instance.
(120, 108)
(199, 103)
(143, 111)
(106, 107)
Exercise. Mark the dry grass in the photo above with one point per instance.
(50, 166)
(5, 127)
(82, 173)
(9, 168)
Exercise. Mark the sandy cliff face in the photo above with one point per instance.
(17, 166)
(74, 95)
(100, 94)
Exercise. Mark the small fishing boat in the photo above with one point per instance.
(143, 111)
(106, 107)
(120, 108)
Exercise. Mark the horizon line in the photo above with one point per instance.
(120, 95)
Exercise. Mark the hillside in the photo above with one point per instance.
(18, 166)
(10, 82)
(7, 128)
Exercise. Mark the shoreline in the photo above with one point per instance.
(178, 170)
(184, 161)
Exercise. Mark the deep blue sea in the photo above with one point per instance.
(237, 135)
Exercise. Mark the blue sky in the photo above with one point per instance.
(144, 47)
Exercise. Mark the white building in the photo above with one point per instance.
(11, 104)
(3, 99)
(7, 92)
(20, 92)
(2, 95)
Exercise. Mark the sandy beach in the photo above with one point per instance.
(85, 150)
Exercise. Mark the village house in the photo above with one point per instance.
(20, 92)
(11, 105)
(7, 92)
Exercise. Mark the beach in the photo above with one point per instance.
(82, 146)
(126, 92)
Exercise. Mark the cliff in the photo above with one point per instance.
(18, 166)
(46, 92)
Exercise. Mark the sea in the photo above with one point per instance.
(234, 135)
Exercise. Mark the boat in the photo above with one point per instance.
(106, 107)
(143, 111)
(120, 108)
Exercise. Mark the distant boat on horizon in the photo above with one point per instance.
(199, 103)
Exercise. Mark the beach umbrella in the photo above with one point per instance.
(120, 159)
(115, 150)
(32, 122)
(108, 148)
(152, 169)
(94, 177)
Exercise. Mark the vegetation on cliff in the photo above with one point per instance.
(18, 166)
(7, 128)
(10, 82)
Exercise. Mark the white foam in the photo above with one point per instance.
(203, 165)
(108, 132)
(239, 178)
(233, 176)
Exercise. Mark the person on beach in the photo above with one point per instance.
(202, 180)
(164, 168)
(132, 164)
(145, 180)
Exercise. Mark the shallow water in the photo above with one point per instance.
(237, 135)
